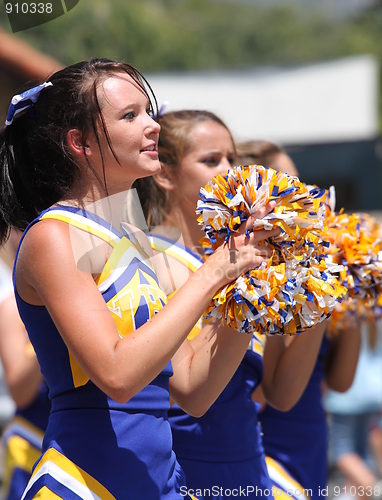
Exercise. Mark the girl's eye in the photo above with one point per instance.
(211, 162)
(231, 161)
(150, 112)
(129, 116)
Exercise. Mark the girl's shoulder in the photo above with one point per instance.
(44, 247)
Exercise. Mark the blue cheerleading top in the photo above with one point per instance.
(229, 430)
(228, 433)
(298, 439)
(93, 444)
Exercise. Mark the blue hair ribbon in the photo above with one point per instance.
(23, 101)
(162, 110)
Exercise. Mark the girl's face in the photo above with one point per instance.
(212, 152)
(133, 133)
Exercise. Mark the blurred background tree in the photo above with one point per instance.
(182, 35)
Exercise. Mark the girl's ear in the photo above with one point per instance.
(165, 178)
(74, 139)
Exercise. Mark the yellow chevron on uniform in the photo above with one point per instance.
(24, 441)
(119, 261)
(123, 304)
(284, 485)
(21, 453)
(257, 343)
(19, 425)
(86, 224)
(72, 477)
(175, 250)
(46, 493)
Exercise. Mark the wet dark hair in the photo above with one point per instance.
(37, 168)
(175, 142)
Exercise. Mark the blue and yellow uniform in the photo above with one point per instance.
(95, 447)
(221, 453)
(22, 440)
(296, 441)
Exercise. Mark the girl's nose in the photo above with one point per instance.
(225, 164)
(153, 124)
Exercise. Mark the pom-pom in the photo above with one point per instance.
(356, 244)
(296, 288)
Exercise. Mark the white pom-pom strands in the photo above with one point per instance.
(296, 288)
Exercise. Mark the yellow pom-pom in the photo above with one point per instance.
(295, 289)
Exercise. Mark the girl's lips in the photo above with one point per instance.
(151, 148)
(150, 152)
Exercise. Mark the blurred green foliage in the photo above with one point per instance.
(182, 35)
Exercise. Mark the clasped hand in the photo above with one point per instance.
(245, 249)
